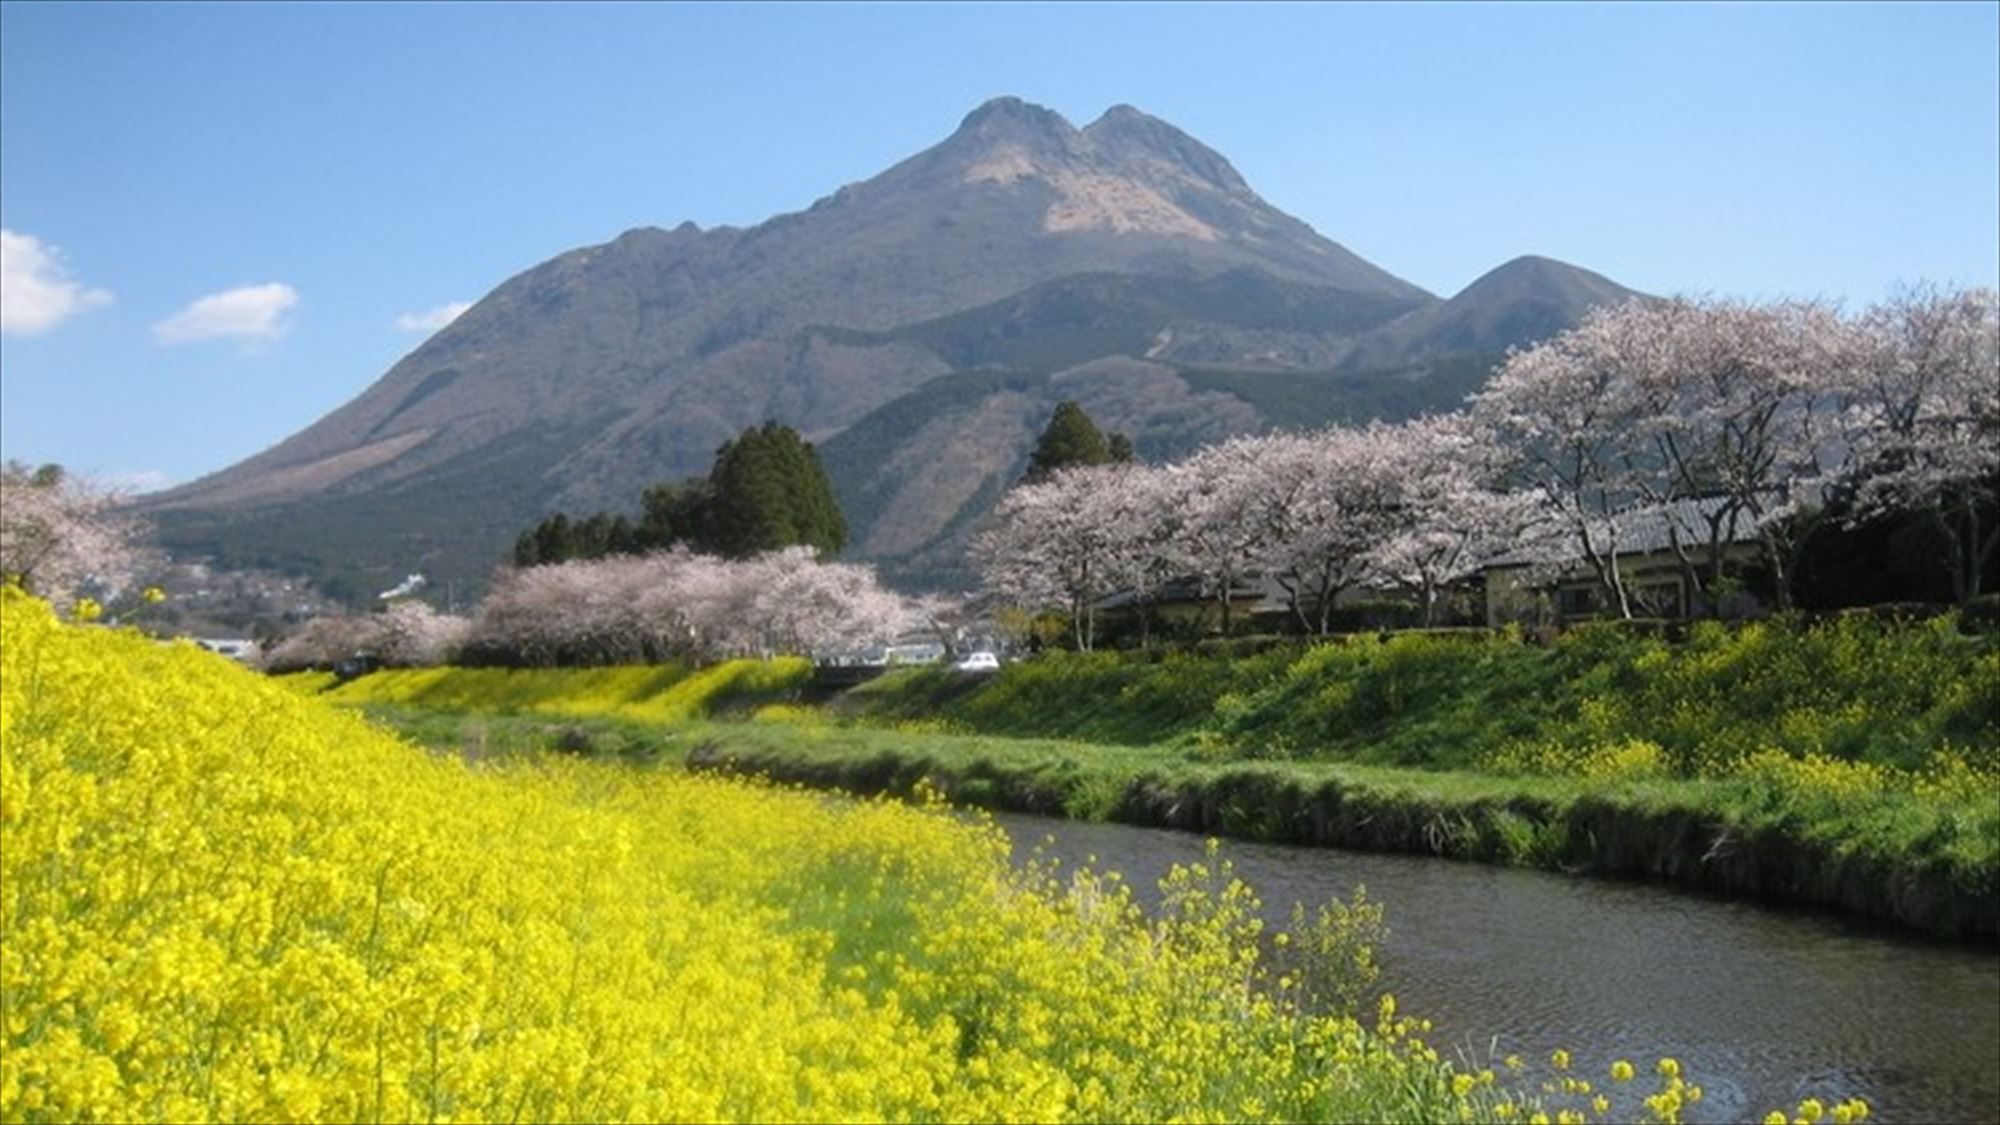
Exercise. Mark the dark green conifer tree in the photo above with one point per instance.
(767, 490)
(527, 551)
(555, 540)
(1070, 439)
(678, 512)
(770, 491)
(622, 538)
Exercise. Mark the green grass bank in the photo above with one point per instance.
(1853, 689)
(655, 693)
(1900, 857)
(1852, 763)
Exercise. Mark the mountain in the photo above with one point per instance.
(1526, 299)
(1122, 263)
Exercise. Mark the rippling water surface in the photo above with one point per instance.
(1762, 1006)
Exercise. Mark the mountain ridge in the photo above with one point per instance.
(578, 380)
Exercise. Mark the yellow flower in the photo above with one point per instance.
(339, 925)
(153, 595)
(1560, 1059)
(1776, 1117)
(1668, 1068)
(1601, 1104)
(1621, 1071)
(1811, 1111)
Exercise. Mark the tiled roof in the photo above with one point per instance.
(1641, 531)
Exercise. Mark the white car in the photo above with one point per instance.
(979, 662)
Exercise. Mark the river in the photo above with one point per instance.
(1762, 1006)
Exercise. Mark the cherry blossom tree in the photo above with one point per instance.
(408, 634)
(675, 604)
(1923, 421)
(1047, 546)
(1653, 402)
(1565, 411)
(1446, 516)
(1736, 403)
(1228, 519)
(948, 616)
(321, 643)
(1135, 505)
(1327, 501)
(792, 603)
(63, 537)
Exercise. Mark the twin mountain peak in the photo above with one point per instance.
(919, 326)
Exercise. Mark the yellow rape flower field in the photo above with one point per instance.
(220, 900)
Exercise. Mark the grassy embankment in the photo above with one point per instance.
(1849, 764)
(227, 901)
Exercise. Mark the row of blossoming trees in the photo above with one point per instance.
(69, 541)
(1777, 415)
(627, 609)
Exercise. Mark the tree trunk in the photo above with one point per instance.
(1781, 574)
(1605, 563)
(1961, 589)
(1978, 551)
(1328, 591)
(1981, 555)
(1293, 586)
(1228, 603)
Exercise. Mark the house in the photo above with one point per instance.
(1554, 577)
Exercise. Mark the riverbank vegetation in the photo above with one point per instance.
(1598, 702)
(226, 901)
(1852, 688)
(1850, 763)
(1810, 832)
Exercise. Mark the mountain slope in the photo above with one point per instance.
(1018, 241)
(1527, 299)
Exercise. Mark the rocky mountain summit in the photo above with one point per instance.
(1124, 264)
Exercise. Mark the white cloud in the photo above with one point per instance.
(35, 293)
(251, 313)
(434, 319)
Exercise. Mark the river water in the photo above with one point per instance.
(1762, 1006)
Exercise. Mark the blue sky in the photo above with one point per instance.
(320, 173)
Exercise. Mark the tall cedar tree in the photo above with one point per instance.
(767, 490)
(770, 492)
(1070, 439)
(678, 512)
